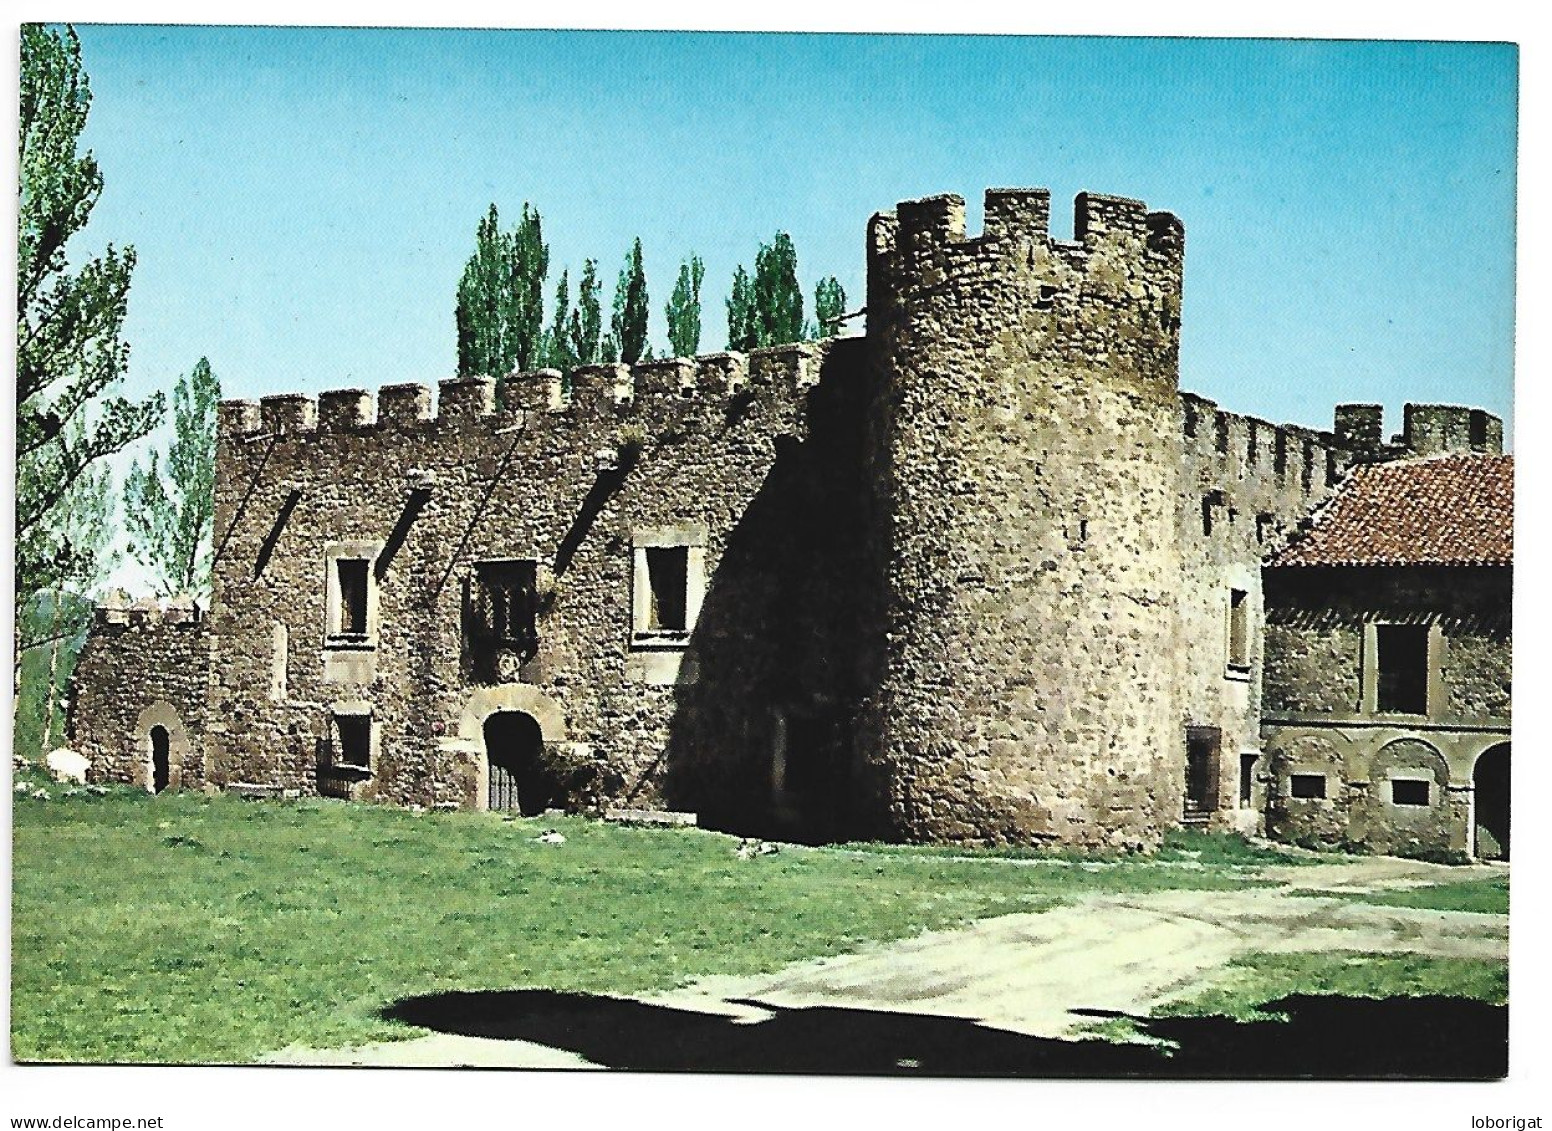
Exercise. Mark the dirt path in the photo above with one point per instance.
(1026, 973)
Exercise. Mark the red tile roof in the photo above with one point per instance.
(1455, 510)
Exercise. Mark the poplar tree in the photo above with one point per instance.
(170, 505)
(499, 312)
(778, 300)
(530, 263)
(480, 310)
(684, 309)
(743, 325)
(829, 305)
(69, 351)
(587, 318)
(628, 326)
(558, 351)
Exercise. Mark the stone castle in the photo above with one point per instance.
(983, 574)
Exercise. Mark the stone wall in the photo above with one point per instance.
(1246, 486)
(704, 452)
(1026, 469)
(143, 666)
(1321, 714)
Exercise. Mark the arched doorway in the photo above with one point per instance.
(514, 753)
(1490, 783)
(161, 759)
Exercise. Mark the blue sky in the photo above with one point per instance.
(303, 200)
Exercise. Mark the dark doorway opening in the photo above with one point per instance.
(1490, 779)
(161, 759)
(514, 748)
(1202, 747)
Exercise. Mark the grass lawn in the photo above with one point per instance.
(1488, 895)
(1254, 979)
(186, 928)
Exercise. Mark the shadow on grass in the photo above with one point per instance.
(1324, 1037)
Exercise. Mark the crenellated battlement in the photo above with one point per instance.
(927, 236)
(1242, 446)
(118, 610)
(658, 389)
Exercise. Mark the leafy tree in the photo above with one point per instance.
(558, 351)
(684, 309)
(628, 326)
(829, 305)
(587, 319)
(743, 325)
(778, 300)
(170, 510)
(768, 309)
(500, 305)
(69, 352)
(479, 311)
(529, 265)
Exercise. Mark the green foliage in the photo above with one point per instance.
(170, 509)
(1252, 980)
(628, 325)
(499, 311)
(45, 670)
(778, 300)
(193, 928)
(587, 318)
(684, 309)
(829, 305)
(767, 310)
(69, 354)
(743, 325)
(558, 350)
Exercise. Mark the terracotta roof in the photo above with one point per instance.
(1455, 510)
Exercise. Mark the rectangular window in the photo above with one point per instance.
(1401, 663)
(668, 578)
(1239, 629)
(1247, 769)
(352, 576)
(1409, 791)
(1307, 786)
(506, 604)
(353, 741)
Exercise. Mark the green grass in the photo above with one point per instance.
(1252, 980)
(187, 928)
(1488, 895)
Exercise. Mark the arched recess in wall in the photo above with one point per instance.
(164, 716)
(1490, 804)
(506, 698)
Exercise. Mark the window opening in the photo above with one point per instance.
(352, 576)
(1307, 786)
(1401, 659)
(1239, 628)
(668, 577)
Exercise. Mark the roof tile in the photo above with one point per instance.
(1455, 510)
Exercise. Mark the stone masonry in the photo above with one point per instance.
(983, 574)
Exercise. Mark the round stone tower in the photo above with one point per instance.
(1026, 441)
